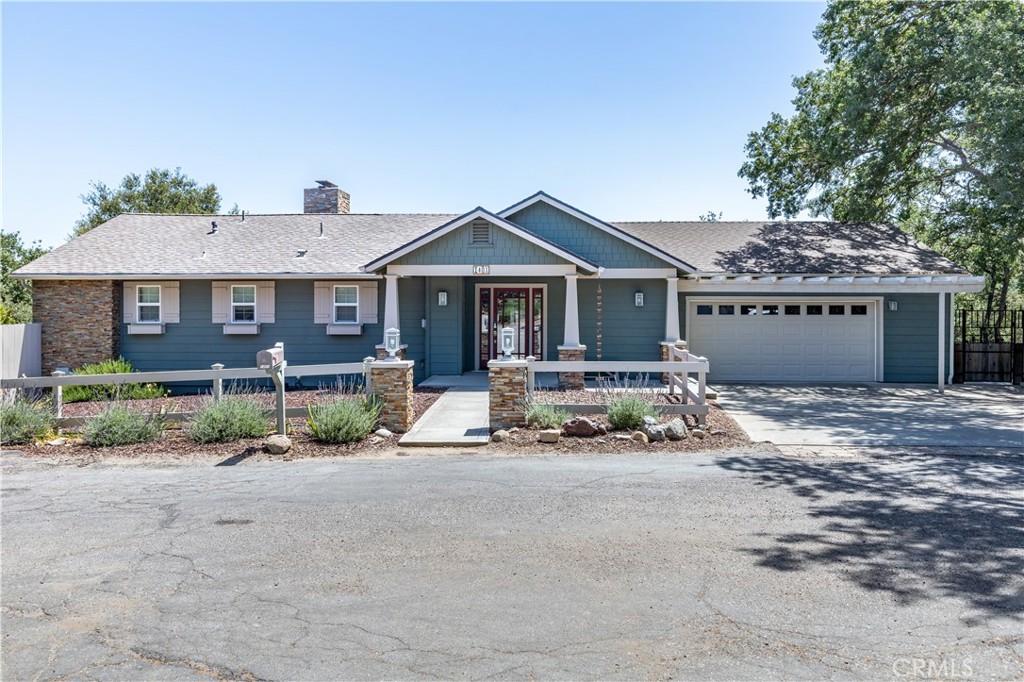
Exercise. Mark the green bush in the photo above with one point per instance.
(74, 394)
(22, 421)
(546, 416)
(117, 425)
(230, 418)
(343, 421)
(628, 412)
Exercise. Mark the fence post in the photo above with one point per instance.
(368, 374)
(531, 375)
(58, 395)
(218, 383)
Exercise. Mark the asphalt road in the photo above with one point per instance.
(747, 565)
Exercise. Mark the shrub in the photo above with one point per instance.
(22, 421)
(74, 394)
(628, 412)
(231, 418)
(546, 416)
(343, 421)
(117, 425)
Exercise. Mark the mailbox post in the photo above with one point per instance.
(272, 361)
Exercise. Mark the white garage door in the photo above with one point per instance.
(785, 341)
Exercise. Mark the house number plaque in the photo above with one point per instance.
(481, 269)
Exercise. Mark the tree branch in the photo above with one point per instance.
(965, 163)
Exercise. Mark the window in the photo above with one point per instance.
(704, 310)
(480, 232)
(346, 304)
(726, 310)
(792, 310)
(147, 304)
(858, 310)
(769, 310)
(814, 310)
(748, 310)
(837, 310)
(243, 304)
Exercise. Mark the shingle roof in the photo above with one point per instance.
(149, 244)
(797, 247)
(268, 245)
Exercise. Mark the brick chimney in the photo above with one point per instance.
(327, 198)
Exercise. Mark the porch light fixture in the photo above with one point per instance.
(508, 341)
(893, 306)
(392, 339)
(638, 299)
(442, 298)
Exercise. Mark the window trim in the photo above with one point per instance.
(159, 304)
(254, 304)
(335, 305)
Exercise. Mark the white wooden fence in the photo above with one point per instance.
(20, 350)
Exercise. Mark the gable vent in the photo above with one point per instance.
(480, 232)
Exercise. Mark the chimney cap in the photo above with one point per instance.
(325, 183)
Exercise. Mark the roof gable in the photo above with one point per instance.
(450, 244)
(595, 239)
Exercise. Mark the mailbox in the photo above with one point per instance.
(270, 358)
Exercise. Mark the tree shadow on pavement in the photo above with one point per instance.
(918, 527)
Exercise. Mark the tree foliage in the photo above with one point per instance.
(159, 191)
(917, 119)
(16, 294)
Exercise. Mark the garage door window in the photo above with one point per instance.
(769, 310)
(748, 310)
(814, 310)
(837, 310)
(858, 310)
(726, 310)
(792, 310)
(704, 310)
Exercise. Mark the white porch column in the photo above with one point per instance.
(942, 342)
(572, 313)
(390, 304)
(672, 310)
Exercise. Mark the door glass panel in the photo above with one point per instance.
(537, 342)
(485, 327)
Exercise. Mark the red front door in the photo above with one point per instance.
(522, 309)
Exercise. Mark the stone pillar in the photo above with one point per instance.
(507, 389)
(576, 353)
(81, 321)
(392, 383)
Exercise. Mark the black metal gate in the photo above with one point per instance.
(989, 346)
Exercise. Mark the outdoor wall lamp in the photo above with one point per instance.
(638, 299)
(893, 306)
(508, 341)
(442, 298)
(392, 339)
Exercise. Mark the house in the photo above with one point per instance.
(763, 301)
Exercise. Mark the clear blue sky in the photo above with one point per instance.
(628, 111)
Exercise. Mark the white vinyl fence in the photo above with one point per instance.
(20, 350)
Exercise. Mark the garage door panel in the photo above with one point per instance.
(802, 347)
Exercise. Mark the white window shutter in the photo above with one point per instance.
(221, 302)
(169, 302)
(265, 302)
(368, 302)
(128, 303)
(322, 293)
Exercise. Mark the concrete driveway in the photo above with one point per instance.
(744, 565)
(879, 414)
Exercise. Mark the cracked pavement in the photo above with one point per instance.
(742, 565)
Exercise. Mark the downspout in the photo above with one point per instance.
(600, 308)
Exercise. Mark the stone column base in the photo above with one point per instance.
(571, 380)
(382, 352)
(665, 345)
(507, 393)
(392, 383)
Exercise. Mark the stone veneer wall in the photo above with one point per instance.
(572, 380)
(392, 382)
(507, 393)
(81, 321)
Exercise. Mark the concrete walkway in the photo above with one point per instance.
(458, 418)
(973, 415)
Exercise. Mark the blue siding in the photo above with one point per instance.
(505, 248)
(910, 335)
(584, 239)
(628, 332)
(197, 343)
(444, 326)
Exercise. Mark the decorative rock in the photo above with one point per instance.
(648, 421)
(513, 429)
(499, 435)
(383, 433)
(622, 436)
(57, 441)
(718, 432)
(640, 437)
(581, 427)
(602, 430)
(652, 429)
(676, 429)
(550, 435)
(601, 441)
(278, 444)
(698, 434)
